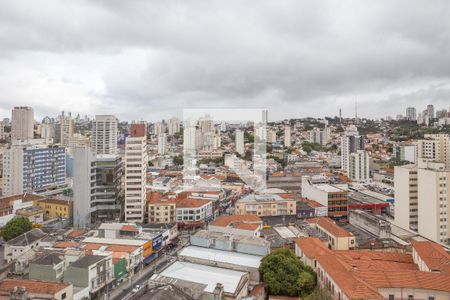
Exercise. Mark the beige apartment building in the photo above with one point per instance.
(265, 205)
(161, 209)
(405, 209)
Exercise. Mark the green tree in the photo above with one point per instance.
(284, 274)
(178, 160)
(16, 227)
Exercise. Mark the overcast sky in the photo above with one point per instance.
(147, 60)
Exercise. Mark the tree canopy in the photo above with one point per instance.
(284, 274)
(16, 227)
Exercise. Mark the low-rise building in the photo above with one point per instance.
(55, 208)
(93, 271)
(332, 196)
(249, 225)
(33, 213)
(34, 289)
(368, 275)
(430, 257)
(264, 205)
(224, 259)
(193, 212)
(161, 209)
(231, 242)
(338, 238)
(24, 245)
(205, 282)
(49, 268)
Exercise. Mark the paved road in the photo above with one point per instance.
(124, 290)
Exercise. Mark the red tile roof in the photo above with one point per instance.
(225, 221)
(312, 247)
(32, 286)
(433, 255)
(330, 226)
(191, 203)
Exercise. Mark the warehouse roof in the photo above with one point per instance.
(234, 258)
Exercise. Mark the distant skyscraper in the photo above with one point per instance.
(64, 130)
(350, 143)
(162, 143)
(104, 134)
(22, 123)
(136, 161)
(158, 128)
(430, 111)
(411, 114)
(287, 136)
(240, 142)
(173, 126)
(2, 131)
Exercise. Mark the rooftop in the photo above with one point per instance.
(433, 255)
(234, 258)
(32, 286)
(87, 261)
(27, 238)
(209, 276)
(233, 220)
(50, 260)
(330, 226)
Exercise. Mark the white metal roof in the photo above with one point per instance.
(229, 257)
(209, 276)
(109, 241)
(284, 232)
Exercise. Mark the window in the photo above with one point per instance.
(431, 298)
(410, 297)
(391, 297)
(63, 296)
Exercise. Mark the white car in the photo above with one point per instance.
(137, 287)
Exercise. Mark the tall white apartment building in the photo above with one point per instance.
(435, 147)
(47, 131)
(271, 136)
(64, 130)
(173, 126)
(158, 128)
(430, 111)
(240, 142)
(162, 143)
(319, 136)
(31, 165)
(104, 134)
(287, 136)
(411, 114)
(350, 143)
(434, 203)
(135, 174)
(359, 166)
(2, 131)
(22, 123)
(406, 197)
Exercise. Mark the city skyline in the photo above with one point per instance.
(293, 58)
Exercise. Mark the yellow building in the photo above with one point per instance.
(54, 208)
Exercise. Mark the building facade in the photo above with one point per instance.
(22, 123)
(104, 134)
(136, 161)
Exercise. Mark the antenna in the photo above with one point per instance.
(356, 109)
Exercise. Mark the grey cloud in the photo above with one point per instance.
(293, 57)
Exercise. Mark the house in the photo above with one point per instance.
(338, 238)
(249, 225)
(34, 289)
(93, 271)
(430, 257)
(23, 245)
(55, 208)
(48, 268)
(369, 275)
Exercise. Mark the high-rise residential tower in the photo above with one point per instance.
(22, 123)
(104, 134)
(136, 161)
(411, 114)
(240, 142)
